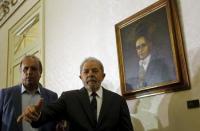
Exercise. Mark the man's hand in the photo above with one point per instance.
(31, 113)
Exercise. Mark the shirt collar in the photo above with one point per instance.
(145, 61)
(23, 89)
(98, 92)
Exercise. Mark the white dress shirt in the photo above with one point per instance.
(29, 99)
(145, 62)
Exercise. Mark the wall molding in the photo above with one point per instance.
(8, 8)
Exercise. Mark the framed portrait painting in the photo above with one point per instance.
(151, 52)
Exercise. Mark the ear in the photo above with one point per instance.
(104, 75)
(80, 77)
(20, 69)
(40, 75)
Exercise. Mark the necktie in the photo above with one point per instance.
(141, 75)
(94, 104)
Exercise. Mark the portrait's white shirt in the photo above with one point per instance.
(145, 62)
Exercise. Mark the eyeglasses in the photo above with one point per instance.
(141, 46)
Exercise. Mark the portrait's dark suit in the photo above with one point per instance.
(74, 106)
(157, 72)
(11, 108)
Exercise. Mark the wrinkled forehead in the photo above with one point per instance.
(29, 60)
(91, 64)
(30, 63)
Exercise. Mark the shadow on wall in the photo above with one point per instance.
(179, 117)
(133, 108)
(172, 115)
(143, 116)
(137, 125)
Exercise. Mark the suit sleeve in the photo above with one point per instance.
(53, 97)
(51, 112)
(125, 120)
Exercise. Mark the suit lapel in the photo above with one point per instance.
(85, 102)
(17, 102)
(105, 105)
(44, 95)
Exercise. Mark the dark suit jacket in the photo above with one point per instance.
(11, 108)
(74, 106)
(157, 72)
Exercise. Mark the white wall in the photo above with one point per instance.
(76, 29)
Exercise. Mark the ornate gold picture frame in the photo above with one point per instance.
(151, 52)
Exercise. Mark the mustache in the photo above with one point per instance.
(29, 78)
(91, 79)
